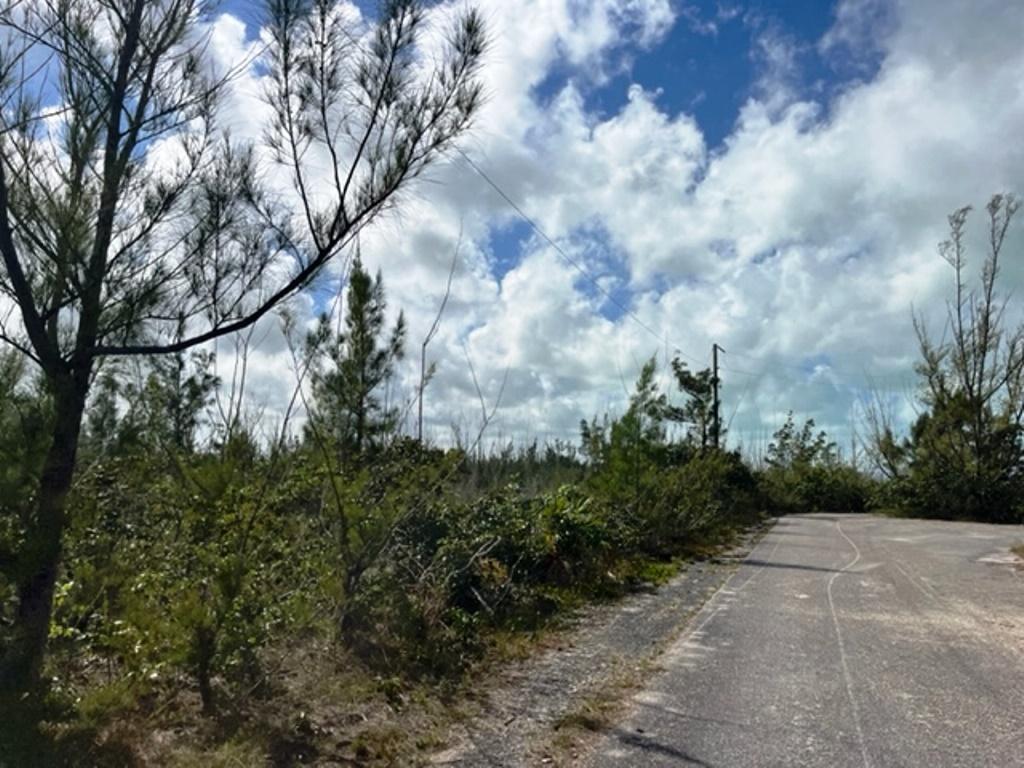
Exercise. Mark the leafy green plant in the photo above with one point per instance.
(804, 473)
(709, 496)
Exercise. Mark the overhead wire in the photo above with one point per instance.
(662, 338)
(824, 367)
(574, 263)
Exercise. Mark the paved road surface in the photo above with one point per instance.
(845, 641)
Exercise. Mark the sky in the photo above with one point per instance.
(773, 177)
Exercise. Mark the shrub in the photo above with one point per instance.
(805, 474)
(712, 493)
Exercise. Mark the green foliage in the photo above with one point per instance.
(941, 471)
(627, 453)
(804, 473)
(711, 494)
(348, 409)
(534, 468)
(964, 455)
(163, 408)
(25, 415)
(182, 569)
(457, 567)
(697, 412)
(671, 495)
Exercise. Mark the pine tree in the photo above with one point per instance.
(698, 411)
(104, 249)
(347, 401)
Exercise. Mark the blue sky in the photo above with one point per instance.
(769, 176)
(706, 65)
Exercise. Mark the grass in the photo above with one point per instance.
(324, 706)
(598, 710)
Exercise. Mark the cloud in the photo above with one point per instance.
(860, 32)
(801, 244)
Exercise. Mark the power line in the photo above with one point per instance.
(861, 375)
(662, 338)
(750, 383)
(862, 380)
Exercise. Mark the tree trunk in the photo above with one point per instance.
(205, 646)
(21, 662)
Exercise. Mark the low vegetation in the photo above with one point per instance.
(204, 567)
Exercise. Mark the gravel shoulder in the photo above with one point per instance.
(532, 713)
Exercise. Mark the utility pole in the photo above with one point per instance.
(716, 405)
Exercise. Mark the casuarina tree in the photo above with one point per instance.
(964, 455)
(698, 410)
(347, 397)
(130, 224)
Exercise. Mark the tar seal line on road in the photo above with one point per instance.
(847, 677)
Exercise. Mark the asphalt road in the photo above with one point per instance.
(845, 641)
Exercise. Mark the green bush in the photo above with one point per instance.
(185, 570)
(183, 566)
(702, 500)
(805, 474)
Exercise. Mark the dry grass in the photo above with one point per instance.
(326, 710)
(598, 710)
(323, 708)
